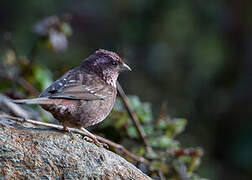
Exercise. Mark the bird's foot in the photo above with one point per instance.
(104, 145)
(69, 132)
(100, 144)
(91, 138)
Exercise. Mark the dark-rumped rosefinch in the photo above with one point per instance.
(85, 95)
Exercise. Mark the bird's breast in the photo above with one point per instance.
(96, 111)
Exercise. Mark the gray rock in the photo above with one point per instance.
(38, 153)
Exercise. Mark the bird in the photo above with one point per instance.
(85, 95)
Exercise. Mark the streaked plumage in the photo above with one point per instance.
(85, 95)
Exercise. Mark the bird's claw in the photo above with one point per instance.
(104, 145)
(88, 139)
(69, 132)
(96, 142)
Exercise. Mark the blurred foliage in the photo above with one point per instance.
(167, 158)
(55, 33)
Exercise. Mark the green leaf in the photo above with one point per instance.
(163, 142)
(66, 29)
(132, 132)
(42, 76)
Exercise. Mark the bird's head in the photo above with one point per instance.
(107, 65)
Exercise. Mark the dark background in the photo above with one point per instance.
(195, 55)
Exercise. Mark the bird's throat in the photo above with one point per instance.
(110, 77)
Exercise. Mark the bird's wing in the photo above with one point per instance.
(78, 86)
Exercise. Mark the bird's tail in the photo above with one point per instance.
(41, 100)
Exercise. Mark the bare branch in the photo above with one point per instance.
(6, 103)
(133, 116)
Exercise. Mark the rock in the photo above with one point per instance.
(37, 153)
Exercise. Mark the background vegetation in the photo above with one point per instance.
(193, 55)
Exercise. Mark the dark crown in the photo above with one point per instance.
(108, 53)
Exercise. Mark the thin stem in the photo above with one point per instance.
(163, 112)
(133, 116)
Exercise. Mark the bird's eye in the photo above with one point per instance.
(113, 63)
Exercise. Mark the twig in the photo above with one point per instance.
(6, 103)
(163, 111)
(27, 86)
(123, 149)
(22, 82)
(133, 116)
(113, 144)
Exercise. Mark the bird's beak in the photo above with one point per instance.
(124, 67)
